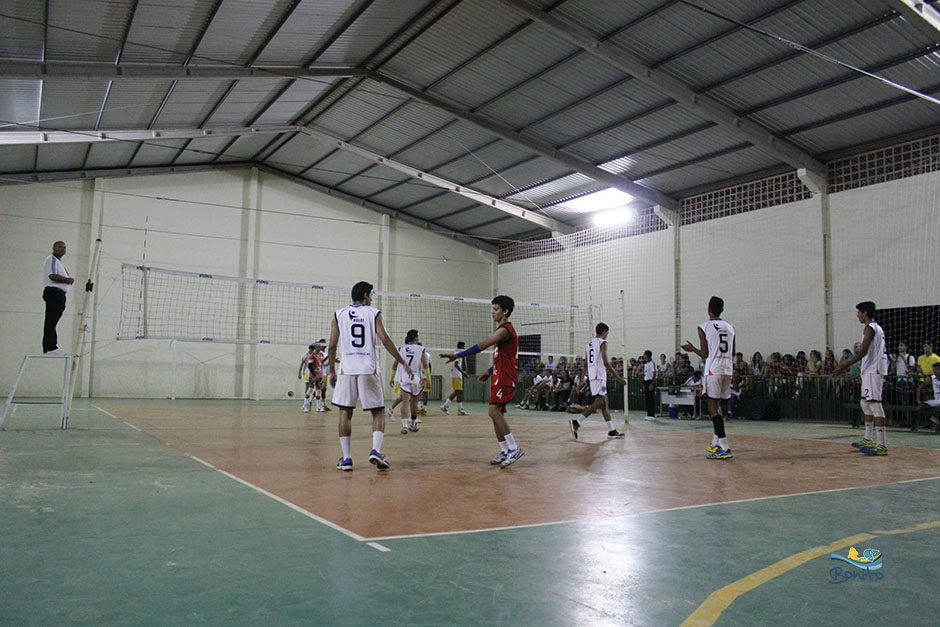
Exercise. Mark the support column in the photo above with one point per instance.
(245, 355)
(818, 186)
(87, 365)
(673, 221)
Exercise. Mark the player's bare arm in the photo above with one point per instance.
(867, 338)
(499, 335)
(331, 350)
(607, 365)
(700, 351)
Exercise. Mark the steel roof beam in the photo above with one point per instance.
(544, 149)
(921, 15)
(667, 84)
(12, 68)
(70, 137)
(484, 199)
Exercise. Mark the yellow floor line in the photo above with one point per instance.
(719, 600)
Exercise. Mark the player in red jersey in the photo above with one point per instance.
(504, 376)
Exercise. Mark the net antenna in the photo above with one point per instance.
(158, 303)
(79, 341)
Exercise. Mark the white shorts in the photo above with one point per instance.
(933, 402)
(717, 386)
(598, 387)
(366, 388)
(412, 387)
(871, 387)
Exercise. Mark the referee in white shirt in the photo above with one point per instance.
(56, 281)
(649, 385)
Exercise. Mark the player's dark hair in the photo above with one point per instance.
(505, 303)
(312, 346)
(360, 290)
(716, 305)
(411, 335)
(601, 328)
(461, 344)
(867, 307)
(648, 354)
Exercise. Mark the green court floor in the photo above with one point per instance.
(104, 524)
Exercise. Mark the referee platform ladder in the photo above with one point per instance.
(63, 401)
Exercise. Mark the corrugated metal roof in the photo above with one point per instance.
(22, 37)
(573, 109)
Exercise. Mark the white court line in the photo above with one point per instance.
(116, 418)
(652, 511)
(296, 508)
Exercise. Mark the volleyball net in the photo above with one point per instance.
(158, 303)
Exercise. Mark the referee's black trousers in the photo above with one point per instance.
(649, 390)
(55, 305)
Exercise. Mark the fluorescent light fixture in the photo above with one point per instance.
(613, 217)
(609, 198)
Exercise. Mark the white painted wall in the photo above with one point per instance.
(234, 222)
(766, 264)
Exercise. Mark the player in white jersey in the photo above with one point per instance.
(927, 405)
(874, 357)
(598, 365)
(410, 384)
(357, 329)
(716, 347)
(458, 370)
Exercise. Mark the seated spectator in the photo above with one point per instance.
(561, 389)
(695, 382)
(927, 405)
(539, 384)
(757, 364)
(580, 389)
(664, 368)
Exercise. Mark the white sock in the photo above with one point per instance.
(503, 446)
(404, 422)
(868, 426)
(460, 405)
(881, 435)
(610, 425)
(377, 437)
(511, 442)
(446, 403)
(714, 440)
(723, 443)
(344, 444)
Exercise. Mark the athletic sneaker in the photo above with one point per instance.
(444, 409)
(462, 413)
(511, 456)
(499, 459)
(720, 453)
(422, 411)
(404, 430)
(573, 424)
(344, 464)
(379, 460)
(327, 408)
(711, 448)
(650, 418)
(877, 449)
(306, 410)
(863, 443)
(413, 426)
(613, 434)
(933, 419)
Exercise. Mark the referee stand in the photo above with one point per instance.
(66, 388)
(71, 361)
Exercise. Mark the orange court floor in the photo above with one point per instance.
(232, 512)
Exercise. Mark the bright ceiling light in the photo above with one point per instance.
(609, 198)
(613, 217)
